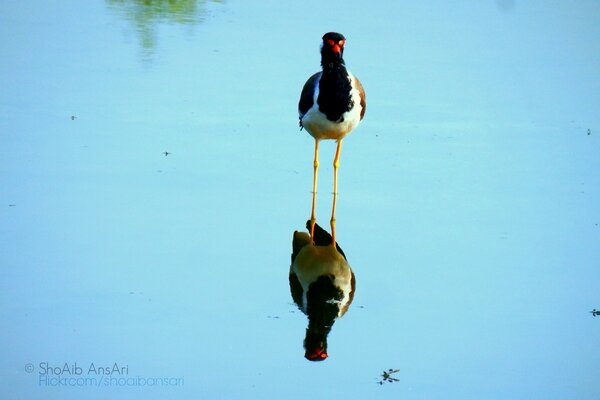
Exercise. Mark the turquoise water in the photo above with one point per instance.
(152, 173)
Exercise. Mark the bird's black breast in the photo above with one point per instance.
(335, 92)
(323, 301)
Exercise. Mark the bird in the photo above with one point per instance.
(322, 285)
(332, 103)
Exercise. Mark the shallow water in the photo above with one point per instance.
(152, 173)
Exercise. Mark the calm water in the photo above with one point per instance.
(152, 174)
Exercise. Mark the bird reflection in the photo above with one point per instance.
(322, 285)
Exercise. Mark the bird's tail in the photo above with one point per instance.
(323, 238)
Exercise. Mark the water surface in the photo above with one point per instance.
(152, 173)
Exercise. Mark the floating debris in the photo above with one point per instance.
(387, 376)
(166, 153)
(595, 312)
(73, 117)
(589, 132)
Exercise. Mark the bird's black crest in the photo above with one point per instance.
(335, 36)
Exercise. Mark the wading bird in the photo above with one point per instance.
(332, 103)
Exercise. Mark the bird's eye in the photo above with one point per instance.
(330, 42)
(341, 43)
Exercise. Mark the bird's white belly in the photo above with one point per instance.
(315, 261)
(319, 127)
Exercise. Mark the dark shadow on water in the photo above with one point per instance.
(147, 15)
(322, 285)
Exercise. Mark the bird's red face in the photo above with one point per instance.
(333, 47)
(336, 46)
(318, 354)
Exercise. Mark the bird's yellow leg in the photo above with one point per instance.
(336, 164)
(313, 218)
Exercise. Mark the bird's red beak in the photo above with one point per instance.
(317, 355)
(336, 47)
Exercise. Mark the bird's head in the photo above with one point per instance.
(332, 48)
(315, 345)
(317, 354)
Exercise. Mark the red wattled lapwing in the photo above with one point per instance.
(322, 285)
(332, 103)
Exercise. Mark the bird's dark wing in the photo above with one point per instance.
(296, 289)
(323, 238)
(363, 99)
(299, 240)
(307, 95)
